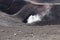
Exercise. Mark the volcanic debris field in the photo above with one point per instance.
(11, 28)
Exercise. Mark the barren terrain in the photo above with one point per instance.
(12, 28)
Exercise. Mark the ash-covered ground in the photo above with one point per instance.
(12, 28)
